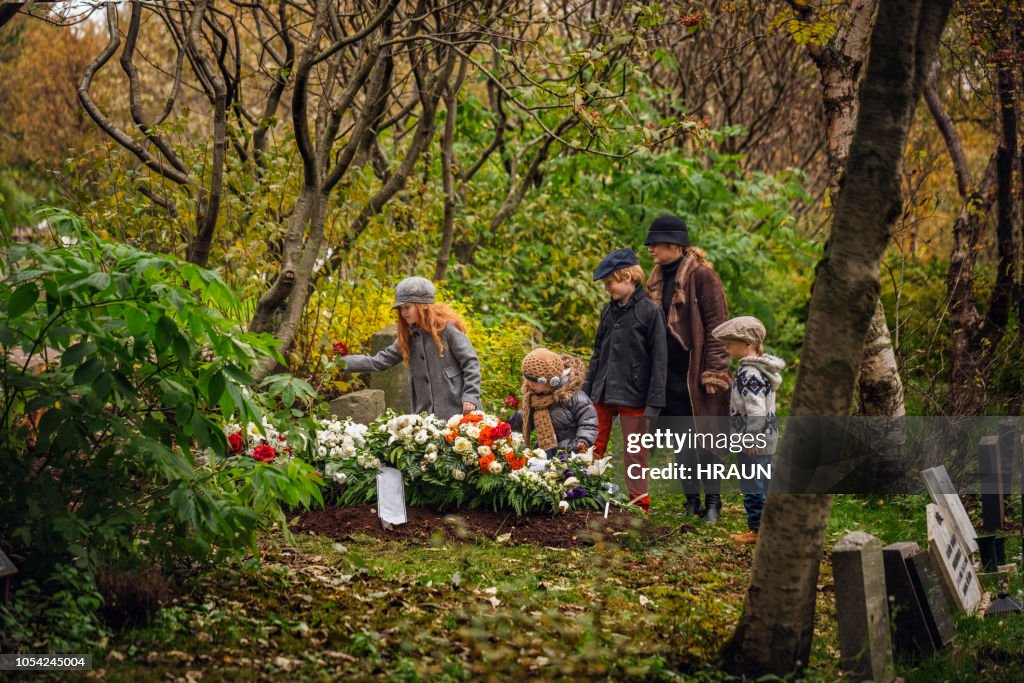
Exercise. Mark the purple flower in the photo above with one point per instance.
(568, 473)
(561, 456)
(578, 492)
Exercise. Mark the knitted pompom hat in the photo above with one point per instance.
(542, 365)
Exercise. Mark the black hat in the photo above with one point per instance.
(668, 230)
(618, 259)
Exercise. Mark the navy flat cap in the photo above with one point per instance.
(618, 259)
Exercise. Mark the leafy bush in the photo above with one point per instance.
(100, 441)
(58, 616)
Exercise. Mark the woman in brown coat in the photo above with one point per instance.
(693, 299)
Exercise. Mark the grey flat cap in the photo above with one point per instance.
(414, 290)
(746, 329)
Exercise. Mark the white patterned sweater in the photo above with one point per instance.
(752, 403)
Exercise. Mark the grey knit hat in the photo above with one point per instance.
(414, 290)
(746, 329)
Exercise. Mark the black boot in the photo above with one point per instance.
(693, 506)
(713, 505)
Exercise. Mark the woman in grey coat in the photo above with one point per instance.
(443, 367)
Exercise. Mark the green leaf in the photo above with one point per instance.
(215, 387)
(24, 298)
(88, 371)
(74, 354)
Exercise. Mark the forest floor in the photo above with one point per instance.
(456, 598)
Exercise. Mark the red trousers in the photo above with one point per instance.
(632, 421)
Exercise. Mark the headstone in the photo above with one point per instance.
(390, 497)
(942, 491)
(991, 475)
(862, 608)
(953, 560)
(394, 382)
(362, 406)
(1008, 455)
(911, 632)
(931, 591)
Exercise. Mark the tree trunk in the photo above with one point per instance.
(839, 64)
(775, 632)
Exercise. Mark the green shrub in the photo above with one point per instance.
(100, 443)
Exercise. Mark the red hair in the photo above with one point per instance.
(432, 319)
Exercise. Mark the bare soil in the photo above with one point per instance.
(425, 526)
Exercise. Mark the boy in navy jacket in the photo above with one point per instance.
(626, 377)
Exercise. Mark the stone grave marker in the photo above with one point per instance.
(940, 486)
(991, 476)
(906, 613)
(362, 406)
(394, 382)
(953, 560)
(931, 591)
(862, 608)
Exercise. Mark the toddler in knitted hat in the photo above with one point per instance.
(554, 405)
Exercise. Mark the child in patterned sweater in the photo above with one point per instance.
(752, 406)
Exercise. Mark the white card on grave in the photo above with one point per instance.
(940, 486)
(390, 497)
(953, 560)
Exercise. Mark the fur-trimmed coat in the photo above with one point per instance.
(698, 306)
(572, 415)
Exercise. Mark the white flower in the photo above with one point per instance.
(462, 446)
(458, 475)
(540, 453)
(570, 482)
(586, 457)
(453, 421)
(484, 451)
(599, 466)
(322, 452)
(431, 448)
(494, 467)
(563, 506)
(537, 465)
(472, 431)
(375, 464)
(340, 477)
(421, 436)
(430, 457)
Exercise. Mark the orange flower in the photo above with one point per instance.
(472, 417)
(485, 462)
(514, 462)
(449, 435)
(485, 438)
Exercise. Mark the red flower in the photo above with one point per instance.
(502, 431)
(512, 402)
(264, 453)
(340, 349)
(236, 442)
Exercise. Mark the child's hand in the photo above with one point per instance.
(581, 445)
(711, 388)
(467, 408)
